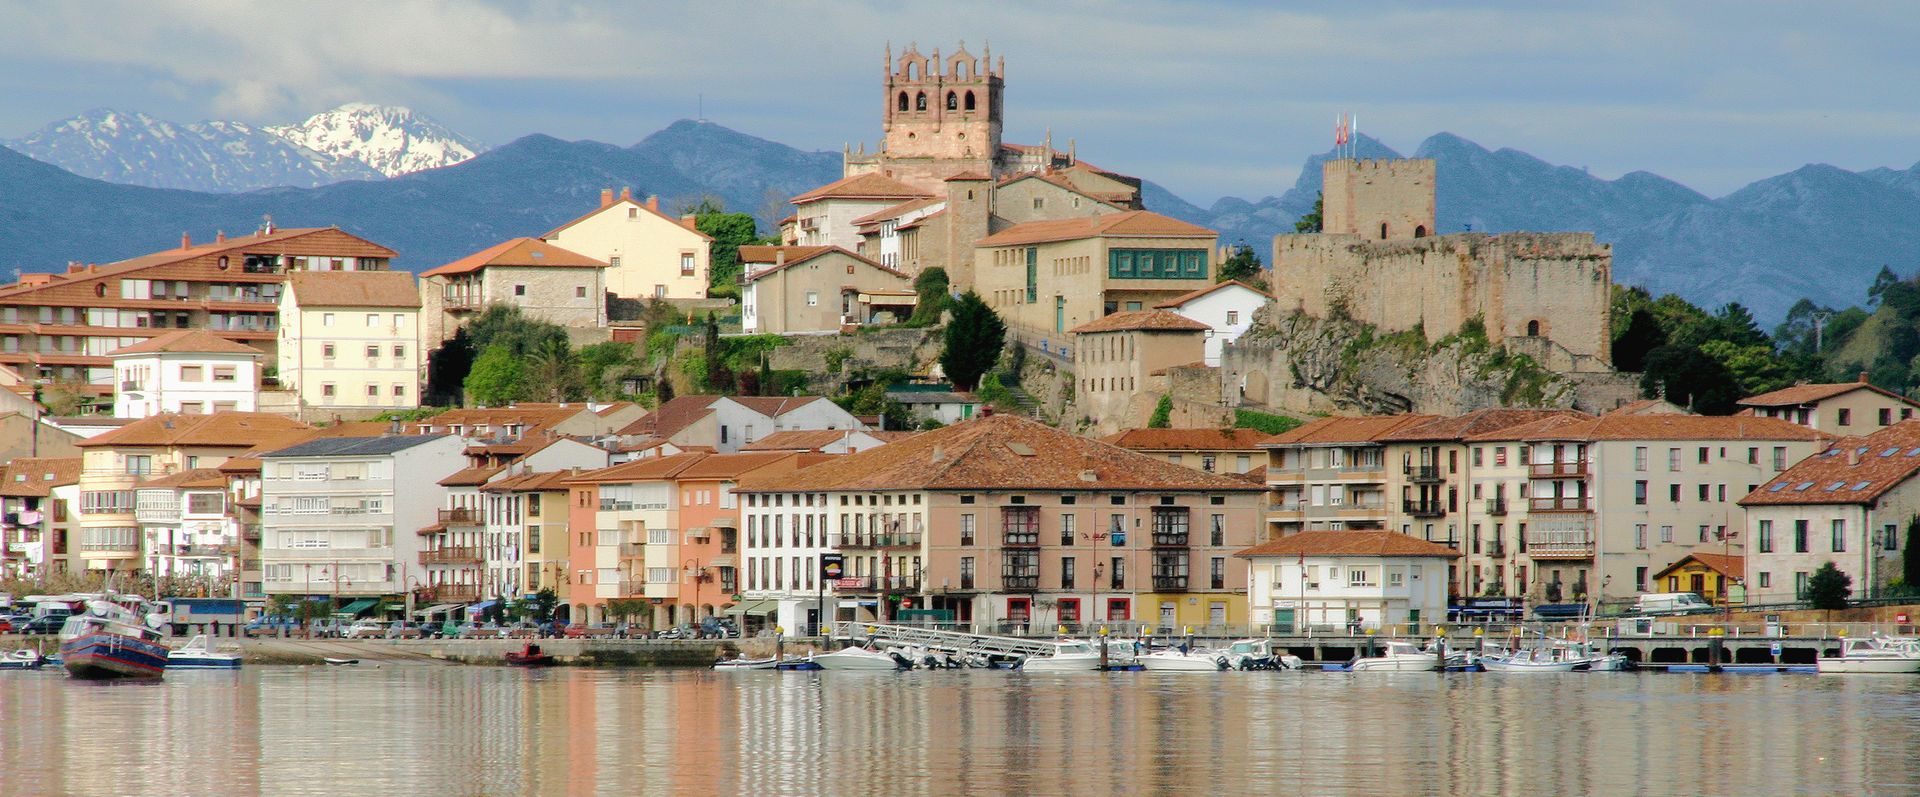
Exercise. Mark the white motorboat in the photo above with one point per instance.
(859, 658)
(731, 665)
(1069, 655)
(1260, 654)
(23, 659)
(1531, 660)
(1401, 656)
(1872, 656)
(198, 655)
(1190, 660)
(1590, 659)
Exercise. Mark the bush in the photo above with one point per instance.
(1162, 414)
(1264, 421)
(1829, 588)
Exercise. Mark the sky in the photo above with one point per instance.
(1207, 98)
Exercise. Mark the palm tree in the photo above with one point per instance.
(551, 370)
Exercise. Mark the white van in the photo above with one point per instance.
(1672, 603)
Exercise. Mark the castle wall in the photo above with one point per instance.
(1360, 196)
(1555, 285)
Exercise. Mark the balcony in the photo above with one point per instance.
(1497, 548)
(1497, 507)
(1560, 544)
(461, 516)
(890, 540)
(1020, 539)
(1415, 508)
(450, 593)
(1170, 539)
(1169, 583)
(1424, 474)
(462, 301)
(1570, 503)
(250, 532)
(203, 550)
(879, 584)
(1020, 583)
(451, 556)
(1287, 506)
(632, 550)
(1550, 470)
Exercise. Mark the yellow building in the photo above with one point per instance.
(649, 254)
(539, 501)
(1705, 574)
(1047, 277)
(350, 342)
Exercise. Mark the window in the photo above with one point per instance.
(519, 290)
(1640, 458)
(1066, 578)
(192, 373)
(1703, 533)
(326, 319)
(580, 292)
(1666, 534)
(1118, 575)
(1703, 493)
(1673, 493)
(373, 351)
(659, 291)
(1839, 536)
(686, 264)
(1233, 317)
(1218, 535)
(1800, 536)
(399, 390)
(399, 320)
(1217, 575)
(813, 298)
(223, 373)
(1779, 458)
(1703, 454)
(1891, 534)
(1640, 536)
(614, 261)
(966, 572)
(1207, 462)
(1117, 529)
(373, 391)
(1069, 610)
(399, 351)
(1886, 416)
(326, 389)
(1640, 579)
(1069, 524)
(1640, 493)
(1800, 585)
(1765, 535)
(1673, 460)
(1846, 417)
(966, 529)
(326, 351)
(1766, 580)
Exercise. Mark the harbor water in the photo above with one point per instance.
(400, 729)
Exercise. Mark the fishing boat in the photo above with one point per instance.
(1400, 656)
(23, 659)
(1260, 654)
(1872, 655)
(110, 641)
(1189, 660)
(1069, 655)
(198, 655)
(1530, 660)
(529, 656)
(859, 658)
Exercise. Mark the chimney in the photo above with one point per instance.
(626, 195)
(939, 453)
(986, 411)
(186, 241)
(1863, 377)
(1853, 455)
(653, 202)
(779, 256)
(393, 428)
(606, 197)
(1090, 475)
(220, 236)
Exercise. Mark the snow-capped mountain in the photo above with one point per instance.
(390, 139)
(138, 149)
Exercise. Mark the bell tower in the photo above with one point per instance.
(941, 116)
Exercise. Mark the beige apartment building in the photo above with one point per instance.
(828, 215)
(1332, 474)
(649, 254)
(1850, 505)
(1045, 278)
(792, 289)
(1120, 362)
(1226, 451)
(546, 282)
(1846, 408)
(350, 342)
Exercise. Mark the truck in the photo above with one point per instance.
(186, 612)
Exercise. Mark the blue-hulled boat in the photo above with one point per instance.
(111, 641)
(197, 654)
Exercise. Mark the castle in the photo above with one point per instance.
(1376, 260)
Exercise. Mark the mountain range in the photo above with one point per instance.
(1818, 232)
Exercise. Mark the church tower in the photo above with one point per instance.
(941, 117)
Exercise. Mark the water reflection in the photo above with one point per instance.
(457, 730)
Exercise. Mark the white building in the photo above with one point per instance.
(1226, 308)
(787, 535)
(726, 423)
(341, 516)
(350, 341)
(189, 371)
(183, 521)
(1328, 579)
(1849, 505)
(945, 406)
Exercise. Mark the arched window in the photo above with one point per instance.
(1383, 231)
(1420, 231)
(1533, 328)
(953, 101)
(920, 101)
(903, 100)
(969, 100)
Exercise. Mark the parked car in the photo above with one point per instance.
(6, 625)
(578, 630)
(523, 630)
(45, 624)
(1659, 603)
(404, 630)
(270, 625)
(366, 629)
(481, 631)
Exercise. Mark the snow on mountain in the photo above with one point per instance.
(390, 139)
(138, 149)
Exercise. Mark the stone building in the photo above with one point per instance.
(818, 289)
(1546, 295)
(546, 282)
(1120, 363)
(1854, 408)
(1850, 505)
(1047, 277)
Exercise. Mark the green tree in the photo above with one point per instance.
(971, 342)
(729, 232)
(1641, 335)
(932, 286)
(1828, 588)
(601, 367)
(498, 378)
(1162, 414)
(1882, 282)
(447, 369)
(1688, 377)
(1243, 265)
(551, 371)
(1312, 221)
(1756, 368)
(505, 325)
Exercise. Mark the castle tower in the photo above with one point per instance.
(940, 117)
(1379, 200)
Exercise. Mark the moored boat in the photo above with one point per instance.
(1069, 655)
(529, 655)
(197, 654)
(23, 659)
(1190, 660)
(110, 641)
(859, 658)
(731, 665)
(1400, 656)
(1533, 660)
(1876, 656)
(1260, 654)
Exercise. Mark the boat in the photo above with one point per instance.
(1189, 660)
(1069, 655)
(1400, 656)
(1530, 660)
(732, 665)
(529, 655)
(1260, 654)
(198, 655)
(109, 640)
(23, 659)
(854, 657)
(1872, 655)
(331, 662)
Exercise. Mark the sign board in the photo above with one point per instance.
(1900, 618)
(832, 565)
(1774, 648)
(850, 583)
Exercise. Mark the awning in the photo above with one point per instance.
(436, 609)
(754, 608)
(481, 606)
(355, 608)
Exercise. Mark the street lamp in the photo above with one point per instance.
(698, 574)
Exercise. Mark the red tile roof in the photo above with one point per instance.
(198, 341)
(163, 257)
(1127, 224)
(353, 289)
(872, 185)
(548, 481)
(795, 255)
(733, 466)
(1472, 424)
(1336, 430)
(1349, 543)
(999, 452)
(639, 470)
(523, 252)
(223, 429)
(1141, 320)
(1192, 295)
(800, 440)
(472, 477)
(684, 224)
(897, 211)
(1734, 566)
(1188, 439)
(27, 477)
(197, 477)
(1654, 427)
(1808, 394)
(1854, 470)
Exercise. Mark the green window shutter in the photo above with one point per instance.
(1033, 273)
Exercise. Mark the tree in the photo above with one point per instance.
(447, 369)
(729, 232)
(1881, 283)
(933, 288)
(1688, 377)
(552, 371)
(65, 397)
(506, 325)
(601, 366)
(971, 341)
(498, 378)
(1312, 221)
(1828, 588)
(1243, 265)
(719, 377)
(1162, 413)
(1642, 335)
